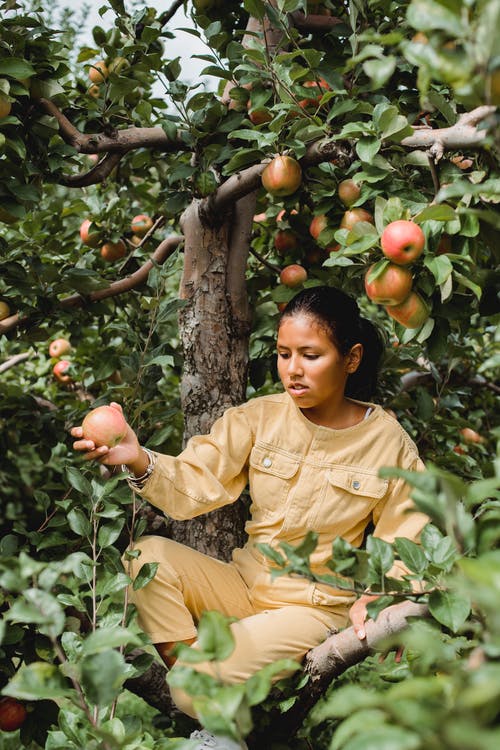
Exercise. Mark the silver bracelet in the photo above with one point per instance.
(137, 483)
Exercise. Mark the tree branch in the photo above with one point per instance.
(333, 657)
(162, 252)
(14, 360)
(121, 141)
(99, 173)
(464, 133)
(314, 22)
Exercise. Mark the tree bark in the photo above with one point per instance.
(214, 328)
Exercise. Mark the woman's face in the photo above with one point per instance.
(311, 367)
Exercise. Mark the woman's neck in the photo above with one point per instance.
(339, 416)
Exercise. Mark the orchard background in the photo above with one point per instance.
(176, 321)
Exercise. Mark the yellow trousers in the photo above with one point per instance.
(272, 623)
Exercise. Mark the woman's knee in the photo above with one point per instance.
(147, 549)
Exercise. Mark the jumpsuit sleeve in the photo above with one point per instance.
(397, 516)
(211, 471)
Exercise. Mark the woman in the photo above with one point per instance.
(310, 457)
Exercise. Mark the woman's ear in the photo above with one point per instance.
(354, 357)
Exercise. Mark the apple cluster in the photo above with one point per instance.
(111, 251)
(391, 284)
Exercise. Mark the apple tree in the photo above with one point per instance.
(156, 226)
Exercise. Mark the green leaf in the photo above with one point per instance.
(109, 533)
(79, 523)
(440, 266)
(108, 638)
(438, 212)
(380, 70)
(449, 608)
(427, 15)
(411, 554)
(16, 68)
(103, 675)
(145, 575)
(37, 681)
(215, 638)
(367, 148)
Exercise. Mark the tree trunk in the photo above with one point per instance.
(214, 329)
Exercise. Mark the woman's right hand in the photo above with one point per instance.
(127, 452)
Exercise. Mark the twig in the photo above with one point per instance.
(14, 360)
(271, 266)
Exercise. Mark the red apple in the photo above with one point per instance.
(258, 115)
(104, 425)
(4, 310)
(470, 435)
(59, 347)
(322, 86)
(348, 192)
(293, 275)
(12, 714)
(92, 239)
(411, 313)
(353, 215)
(285, 240)
(111, 251)
(141, 224)
(318, 223)
(402, 241)
(60, 371)
(391, 287)
(282, 176)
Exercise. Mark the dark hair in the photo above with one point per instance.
(339, 314)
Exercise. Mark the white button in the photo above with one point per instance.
(356, 484)
(267, 462)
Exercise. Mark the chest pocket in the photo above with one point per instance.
(270, 476)
(349, 497)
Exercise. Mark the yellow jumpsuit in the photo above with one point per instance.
(301, 477)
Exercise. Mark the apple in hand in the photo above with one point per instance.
(411, 313)
(59, 347)
(282, 176)
(391, 287)
(12, 714)
(104, 425)
(402, 241)
(293, 275)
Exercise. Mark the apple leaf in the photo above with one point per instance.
(440, 212)
(377, 269)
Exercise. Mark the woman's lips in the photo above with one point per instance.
(297, 388)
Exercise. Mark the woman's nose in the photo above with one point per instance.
(295, 366)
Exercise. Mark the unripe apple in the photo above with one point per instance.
(402, 241)
(104, 425)
(293, 275)
(118, 64)
(92, 239)
(59, 347)
(4, 310)
(112, 251)
(141, 224)
(348, 192)
(5, 107)
(285, 240)
(98, 72)
(470, 435)
(282, 176)
(60, 371)
(12, 714)
(391, 287)
(411, 313)
(353, 216)
(94, 91)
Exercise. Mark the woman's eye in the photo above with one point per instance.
(283, 355)
(311, 356)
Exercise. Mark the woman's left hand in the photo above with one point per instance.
(358, 614)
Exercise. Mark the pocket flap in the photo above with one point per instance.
(270, 462)
(358, 483)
